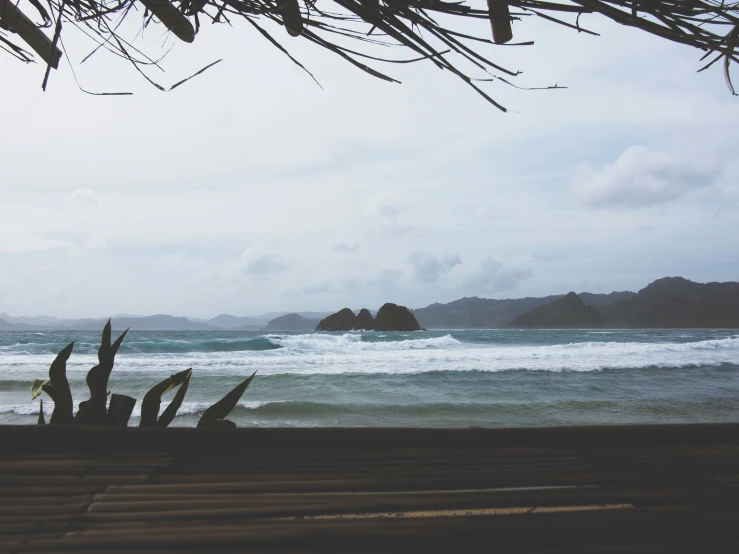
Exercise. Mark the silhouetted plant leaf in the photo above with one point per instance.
(500, 20)
(153, 399)
(49, 389)
(83, 413)
(38, 387)
(41, 419)
(105, 339)
(195, 6)
(172, 18)
(170, 411)
(62, 395)
(93, 411)
(223, 407)
(117, 344)
(290, 11)
(119, 410)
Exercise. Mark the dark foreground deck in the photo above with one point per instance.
(657, 489)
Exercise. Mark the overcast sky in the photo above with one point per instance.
(250, 189)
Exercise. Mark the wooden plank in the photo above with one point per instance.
(475, 488)
(249, 441)
(44, 491)
(43, 500)
(74, 481)
(532, 530)
(44, 510)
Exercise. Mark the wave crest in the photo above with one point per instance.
(354, 342)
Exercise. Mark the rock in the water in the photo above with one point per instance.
(290, 322)
(343, 320)
(365, 320)
(392, 317)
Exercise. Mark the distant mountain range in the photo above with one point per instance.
(291, 322)
(569, 312)
(146, 323)
(679, 303)
(672, 302)
(158, 322)
(483, 313)
(668, 302)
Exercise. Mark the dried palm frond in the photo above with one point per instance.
(428, 30)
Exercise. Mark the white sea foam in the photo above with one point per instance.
(339, 354)
(292, 371)
(23, 409)
(187, 408)
(352, 342)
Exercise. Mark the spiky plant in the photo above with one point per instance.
(117, 412)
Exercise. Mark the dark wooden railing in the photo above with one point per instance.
(672, 488)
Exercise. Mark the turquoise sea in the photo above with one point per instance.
(488, 378)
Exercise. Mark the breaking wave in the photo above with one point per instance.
(362, 353)
(357, 342)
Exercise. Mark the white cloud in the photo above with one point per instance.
(398, 230)
(399, 175)
(16, 243)
(510, 279)
(428, 268)
(320, 288)
(102, 241)
(208, 277)
(256, 260)
(346, 247)
(85, 198)
(388, 208)
(639, 177)
(548, 257)
(493, 277)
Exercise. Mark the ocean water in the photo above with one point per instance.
(491, 378)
